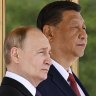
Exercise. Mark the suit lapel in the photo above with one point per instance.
(60, 82)
(81, 86)
(16, 84)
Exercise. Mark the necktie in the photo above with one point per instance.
(38, 93)
(73, 84)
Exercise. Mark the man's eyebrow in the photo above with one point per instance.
(75, 22)
(45, 48)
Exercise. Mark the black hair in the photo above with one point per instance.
(51, 14)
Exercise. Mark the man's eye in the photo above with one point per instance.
(84, 28)
(75, 27)
(41, 52)
(50, 52)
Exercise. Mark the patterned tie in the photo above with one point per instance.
(73, 84)
(38, 93)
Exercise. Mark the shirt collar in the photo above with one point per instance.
(61, 70)
(23, 81)
(65, 74)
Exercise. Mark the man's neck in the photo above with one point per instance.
(64, 61)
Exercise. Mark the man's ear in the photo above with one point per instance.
(14, 55)
(48, 32)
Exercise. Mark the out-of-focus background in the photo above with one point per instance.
(24, 12)
(88, 61)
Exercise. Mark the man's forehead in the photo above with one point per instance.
(34, 32)
(71, 13)
(73, 16)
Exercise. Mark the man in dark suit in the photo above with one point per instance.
(27, 58)
(65, 29)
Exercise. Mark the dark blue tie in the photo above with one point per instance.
(38, 93)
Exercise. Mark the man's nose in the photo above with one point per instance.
(83, 35)
(48, 60)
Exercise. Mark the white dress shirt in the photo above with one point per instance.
(23, 81)
(65, 74)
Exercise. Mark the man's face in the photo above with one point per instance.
(70, 36)
(34, 58)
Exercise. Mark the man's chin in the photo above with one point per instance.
(81, 55)
(44, 77)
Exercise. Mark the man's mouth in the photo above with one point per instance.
(81, 45)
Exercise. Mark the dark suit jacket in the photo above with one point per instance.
(11, 87)
(56, 85)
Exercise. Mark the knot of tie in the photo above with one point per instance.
(38, 93)
(73, 84)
